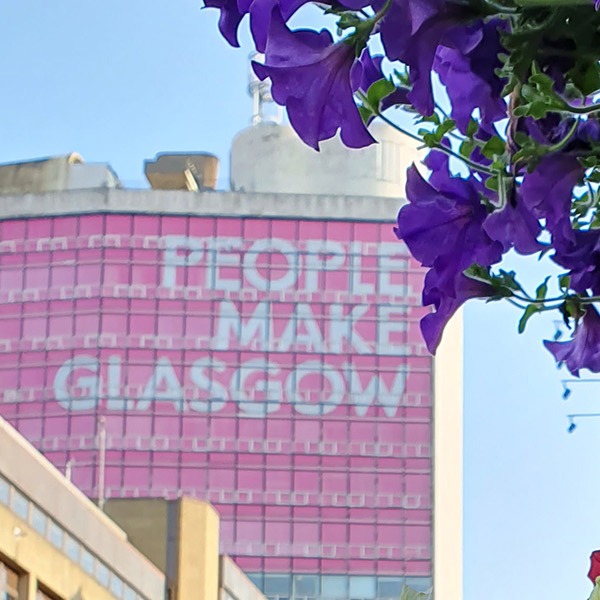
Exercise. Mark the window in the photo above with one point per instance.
(55, 534)
(102, 574)
(19, 504)
(306, 585)
(362, 587)
(129, 593)
(38, 520)
(4, 491)
(116, 586)
(277, 585)
(256, 579)
(334, 586)
(72, 548)
(421, 584)
(9, 583)
(389, 587)
(87, 562)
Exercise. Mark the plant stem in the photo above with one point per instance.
(559, 145)
(440, 147)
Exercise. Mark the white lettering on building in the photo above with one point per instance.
(257, 387)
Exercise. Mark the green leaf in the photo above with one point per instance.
(508, 280)
(538, 109)
(432, 118)
(430, 140)
(493, 147)
(466, 148)
(409, 593)
(478, 273)
(529, 312)
(366, 114)
(586, 76)
(564, 282)
(403, 77)
(378, 91)
(588, 161)
(542, 290)
(521, 138)
(543, 83)
(564, 311)
(444, 128)
(521, 111)
(348, 20)
(472, 128)
(491, 183)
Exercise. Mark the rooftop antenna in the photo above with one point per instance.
(262, 100)
(69, 468)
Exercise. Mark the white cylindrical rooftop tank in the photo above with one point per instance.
(270, 158)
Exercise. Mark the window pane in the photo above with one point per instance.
(102, 574)
(362, 587)
(389, 587)
(10, 579)
(38, 520)
(72, 548)
(55, 534)
(116, 586)
(87, 561)
(334, 586)
(19, 504)
(129, 593)
(256, 579)
(4, 491)
(277, 585)
(306, 585)
(421, 584)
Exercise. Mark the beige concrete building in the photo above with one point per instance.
(56, 544)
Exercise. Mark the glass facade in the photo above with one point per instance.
(272, 367)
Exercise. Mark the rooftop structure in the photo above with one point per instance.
(57, 173)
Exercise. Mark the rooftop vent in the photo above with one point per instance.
(182, 171)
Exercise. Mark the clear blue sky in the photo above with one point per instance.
(119, 81)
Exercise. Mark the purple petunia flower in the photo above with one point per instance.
(445, 220)
(582, 351)
(470, 78)
(366, 71)
(553, 128)
(581, 255)
(412, 31)
(446, 304)
(229, 18)
(514, 226)
(310, 75)
(442, 227)
(233, 11)
(548, 190)
(260, 16)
